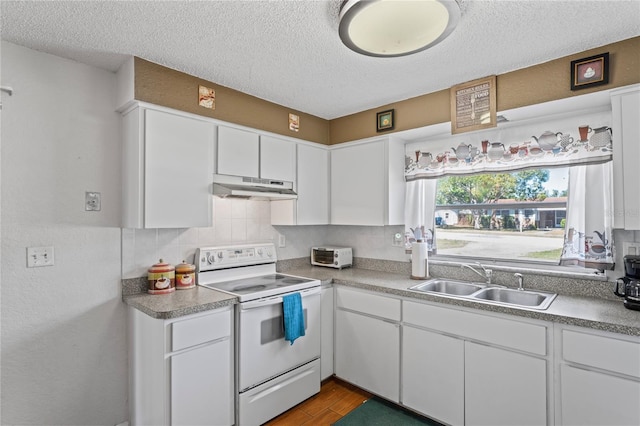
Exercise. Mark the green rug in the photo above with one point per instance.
(378, 412)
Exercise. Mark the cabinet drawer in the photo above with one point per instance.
(380, 306)
(498, 331)
(620, 356)
(193, 331)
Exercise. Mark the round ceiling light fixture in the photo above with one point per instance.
(390, 28)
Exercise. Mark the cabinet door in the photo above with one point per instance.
(201, 386)
(367, 353)
(178, 171)
(238, 152)
(504, 387)
(313, 185)
(433, 374)
(590, 398)
(326, 333)
(277, 159)
(358, 176)
(626, 154)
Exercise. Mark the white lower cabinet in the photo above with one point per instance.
(181, 369)
(503, 387)
(367, 341)
(326, 332)
(433, 374)
(599, 378)
(595, 398)
(199, 387)
(465, 368)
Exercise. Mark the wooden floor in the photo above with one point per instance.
(335, 399)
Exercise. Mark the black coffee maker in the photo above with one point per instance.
(629, 285)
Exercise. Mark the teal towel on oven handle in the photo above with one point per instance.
(293, 317)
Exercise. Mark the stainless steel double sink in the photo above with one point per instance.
(486, 293)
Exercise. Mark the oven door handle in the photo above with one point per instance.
(268, 301)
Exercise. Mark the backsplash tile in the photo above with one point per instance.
(243, 221)
(234, 222)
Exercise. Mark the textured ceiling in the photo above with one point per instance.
(288, 52)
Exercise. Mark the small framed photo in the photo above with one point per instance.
(206, 97)
(294, 122)
(384, 120)
(589, 72)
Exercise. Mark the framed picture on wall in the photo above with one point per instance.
(473, 105)
(384, 121)
(589, 72)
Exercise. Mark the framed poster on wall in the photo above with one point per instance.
(473, 105)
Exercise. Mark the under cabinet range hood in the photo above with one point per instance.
(252, 188)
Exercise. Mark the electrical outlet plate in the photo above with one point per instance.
(397, 240)
(39, 256)
(282, 242)
(631, 248)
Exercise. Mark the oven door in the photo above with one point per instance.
(262, 351)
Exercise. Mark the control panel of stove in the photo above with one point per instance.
(211, 258)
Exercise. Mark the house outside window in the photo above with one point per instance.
(509, 216)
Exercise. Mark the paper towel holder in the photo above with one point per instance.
(419, 260)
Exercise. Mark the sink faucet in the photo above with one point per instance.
(520, 281)
(488, 273)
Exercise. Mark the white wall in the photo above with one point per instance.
(1, 240)
(64, 355)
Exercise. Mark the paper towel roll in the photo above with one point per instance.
(419, 261)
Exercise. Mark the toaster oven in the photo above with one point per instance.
(332, 257)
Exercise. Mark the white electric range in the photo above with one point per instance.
(272, 375)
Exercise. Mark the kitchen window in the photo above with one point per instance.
(547, 200)
(511, 216)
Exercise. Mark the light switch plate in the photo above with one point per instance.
(39, 256)
(92, 201)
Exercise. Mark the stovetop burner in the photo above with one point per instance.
(249, 288)
(263, 286)
(247, 271)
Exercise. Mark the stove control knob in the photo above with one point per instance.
(269, 253)
(260, 252)
(211, 258)
(220, 254)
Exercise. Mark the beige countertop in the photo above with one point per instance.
(591, 312)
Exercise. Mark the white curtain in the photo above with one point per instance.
(419, 212)
(588, 239)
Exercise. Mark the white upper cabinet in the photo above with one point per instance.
(367, 183)
(238, 152)
(312, 178)
(625, 110)
(277, 159)
(313, 185)
(167, 169)
(249, 154)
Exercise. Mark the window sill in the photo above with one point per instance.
(523, 267)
